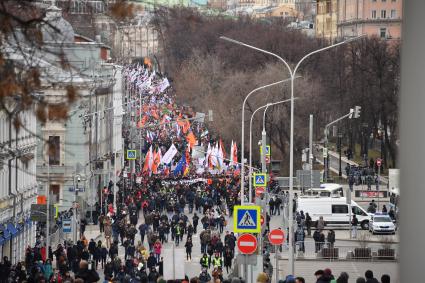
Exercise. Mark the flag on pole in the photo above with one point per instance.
(191, 139)
(234, 154)
(231, 155)
(180, 166)
(148, 160)
(156, 161)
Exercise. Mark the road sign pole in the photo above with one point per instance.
(276, 264)
(379, 180)
(310, 153)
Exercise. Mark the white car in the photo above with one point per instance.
(382, 223)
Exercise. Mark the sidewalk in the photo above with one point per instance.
(384, 180)
(92, 232)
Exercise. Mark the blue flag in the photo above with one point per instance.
(180, 166)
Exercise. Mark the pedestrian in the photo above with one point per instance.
(299, 237)
(228, 257)
(343, 278)
(331, 238)
(271, 206)
(157, 249)
(142, 230)
(104, 255)
(316, 238)
(354, 223)
(151, 262)
(384, 209)
(188, 247)
(217, 261)
(320, 223)
(204, 261)
(97, 256)
(385, 278)
(108, 231)
(204, 277)
(101, 220)
(308, 224)
(86, 273)
(369, 277)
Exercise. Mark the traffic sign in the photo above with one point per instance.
(276, 237)
(267, 150)
(260, 180)
(66, 226)
(378, 162)
(131, 154)
(262, 220)
(246, 219)
(259, 191)
(247, 244)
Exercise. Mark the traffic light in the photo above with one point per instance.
(357, 111)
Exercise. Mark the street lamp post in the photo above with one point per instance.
(292, 73)
(243, 137)
(250, 131)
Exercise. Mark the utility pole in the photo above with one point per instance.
(340, 151)
(310, 153)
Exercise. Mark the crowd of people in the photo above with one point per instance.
(157, 203)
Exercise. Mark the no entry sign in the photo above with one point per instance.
(276, 237)
(259, 191)
(247, 244)
(378, 162)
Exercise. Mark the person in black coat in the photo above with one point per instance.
(87, 275)
(151, 262)
(153, 276)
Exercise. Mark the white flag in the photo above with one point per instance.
(168, 156)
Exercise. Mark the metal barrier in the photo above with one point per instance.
(325, 251)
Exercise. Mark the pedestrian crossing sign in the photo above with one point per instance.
(131, 154)
(246, 219)
(260, 180)
(267, 150)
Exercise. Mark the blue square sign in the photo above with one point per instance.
(246, 219)
(260, 180)
(131, 154)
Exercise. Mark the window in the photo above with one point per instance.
(382, 32)
(393, 14)
(55, 192)
(54, 150)
(340, 208)
(373, 14)
(383, 14)
(357, 211)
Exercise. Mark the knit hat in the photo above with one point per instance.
(327, 271)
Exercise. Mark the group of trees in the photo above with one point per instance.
(210, 73)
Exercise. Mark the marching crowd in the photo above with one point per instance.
(158, 192)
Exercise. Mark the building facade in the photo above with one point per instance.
(18, 183)
(83, 143)
(381, 18)
(327, 19)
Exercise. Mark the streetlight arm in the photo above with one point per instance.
(325, 48)
(258, 49)
(334, 122)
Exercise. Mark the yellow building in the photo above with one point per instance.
(327, 19)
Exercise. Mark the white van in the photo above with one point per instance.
(326, 190)
(333, 209)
